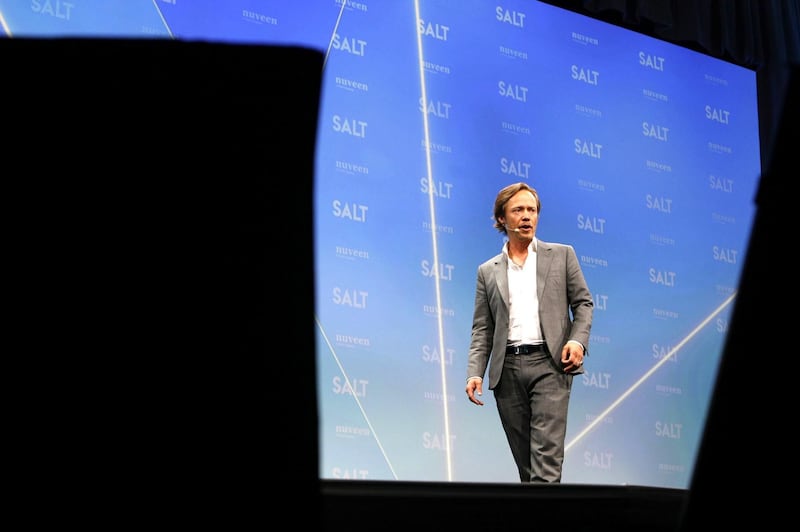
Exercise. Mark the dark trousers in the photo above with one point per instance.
(533, 399)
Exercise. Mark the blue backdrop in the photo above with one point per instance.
(646, 156)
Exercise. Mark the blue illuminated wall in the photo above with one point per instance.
(645, 154)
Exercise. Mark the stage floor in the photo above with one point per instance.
(365, 505)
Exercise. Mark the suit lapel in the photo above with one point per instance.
(501, 277)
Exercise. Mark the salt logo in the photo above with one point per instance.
(585, 75)
(660, 352)
(437, 31)
(669, 430)
(662, 277)
(588, 148)
(355, 387)
(720, 183)
(350, 126)
(597, 460)
(350, 45)
(350, 297)
(651, 61)
(717, 115)
(655, 131)
(432, 440)
(354, 473)
(431, 354)
(726, 255)
(592, 224)
(601, 302)
(515, 167)
(350, 211)
(596, 379)
(507, 16)
(57, 8)
(515, 92)
(436, 108)
(440, 189)
(658, 203)
(445, 271)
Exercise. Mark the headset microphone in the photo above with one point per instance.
(516, 229)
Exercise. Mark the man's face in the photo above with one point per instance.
(522, 215)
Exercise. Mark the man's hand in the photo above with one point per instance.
(475, 388)
(572, 356)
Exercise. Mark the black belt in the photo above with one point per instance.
(525, 349)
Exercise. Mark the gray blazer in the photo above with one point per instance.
(565, 308)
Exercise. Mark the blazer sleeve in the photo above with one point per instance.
(580, 300)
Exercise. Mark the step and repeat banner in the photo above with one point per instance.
(645, 154)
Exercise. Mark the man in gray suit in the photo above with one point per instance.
(530, 326)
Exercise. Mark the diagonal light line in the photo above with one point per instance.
(335, 29)
(4, 25)
(355, 397)
(437, 269)
(649, 373)
(163, 20)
